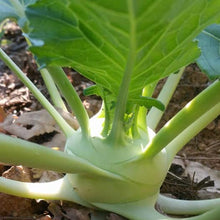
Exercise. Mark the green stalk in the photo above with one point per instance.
(52, 89)
(210, 215)
(68, 131)
(186, 207)
(183, 138)
(71, 97)
(144, 210)
(50, 85)
(20, 152)
(116, 134)
(154, 115)
(56, 190)
(188, 115)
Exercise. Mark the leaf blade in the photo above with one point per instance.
(209, 42)
(103, 30)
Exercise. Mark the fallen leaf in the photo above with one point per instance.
(48, 176)
(55, 210)
(18, 173)
(198, 173)
(75, 211)
(32, 125)
(15, 206)
(2, 114)
(29, 124)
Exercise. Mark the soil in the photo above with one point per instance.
(16, 99)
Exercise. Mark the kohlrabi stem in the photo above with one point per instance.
(117, 131)
(186, 207)
(68, 131)
(195, 109)
(154, 115)
(71, 97)
(142, 120)
(20, 152)
(52, 89)
(56, 190)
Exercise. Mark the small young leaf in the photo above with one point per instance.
(209, 42)
(148, 102)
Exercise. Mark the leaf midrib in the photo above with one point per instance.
(210, 35)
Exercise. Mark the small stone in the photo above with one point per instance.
(202, 146)
(211, 126)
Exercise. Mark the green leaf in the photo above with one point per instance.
(209, 42)
(148, 102)
(94, 37)
(121, 45)
(14, 9)
(6, 10)
(92, 90)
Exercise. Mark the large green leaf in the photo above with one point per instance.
(96, 37)
(209, 42)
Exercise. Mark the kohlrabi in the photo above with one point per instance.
(115, 161)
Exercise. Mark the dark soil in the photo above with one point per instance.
(16, 99)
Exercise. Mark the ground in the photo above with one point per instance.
(193, 175)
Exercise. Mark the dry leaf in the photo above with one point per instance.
(45, 176)
(55, 210)
(15, 206)
(199, 172)
(18, 173)
(2, 168)
(76, 212)
(29, 124)
(2, 114)
(32, 125)
(48, 176)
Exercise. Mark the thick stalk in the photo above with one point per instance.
(116, 134)
(52, 89)
(19, 152)
(188, 115)
(71, 97)
(210, 215)
(56, 190)
(137, 210)
(68, 131)
(154, 115)
(144, 210)
(186, 207)
(176, 145)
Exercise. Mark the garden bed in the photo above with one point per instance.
(188, 177)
